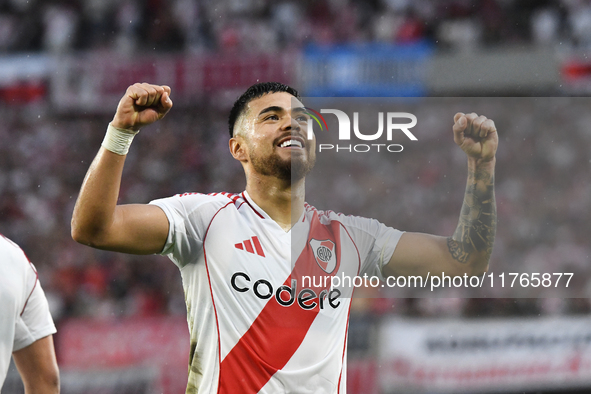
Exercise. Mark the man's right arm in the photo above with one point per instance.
(97, 220)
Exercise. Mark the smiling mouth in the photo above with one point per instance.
(291, 144)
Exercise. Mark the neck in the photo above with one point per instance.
(282, 200)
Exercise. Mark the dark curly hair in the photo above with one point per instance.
(254, 92)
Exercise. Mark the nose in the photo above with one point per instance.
(293, 124)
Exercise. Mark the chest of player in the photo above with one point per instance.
(251, 261)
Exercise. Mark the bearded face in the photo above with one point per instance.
(272, 130)
(274, 164)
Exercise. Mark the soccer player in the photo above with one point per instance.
(256, 326)
(26, 326)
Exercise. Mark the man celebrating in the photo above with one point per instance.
(256, 326)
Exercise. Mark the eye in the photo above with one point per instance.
(272, 117)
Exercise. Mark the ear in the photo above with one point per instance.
(238, 148)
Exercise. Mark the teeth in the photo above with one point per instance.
(291, 143)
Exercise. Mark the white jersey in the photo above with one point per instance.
(24, 312)
(256, 324)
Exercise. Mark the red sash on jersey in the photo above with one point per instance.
(278, 330)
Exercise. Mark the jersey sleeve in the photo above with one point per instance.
(375, 241)
(188, 216)
(35, 321)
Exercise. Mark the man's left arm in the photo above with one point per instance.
(38, 367)
(468, 250)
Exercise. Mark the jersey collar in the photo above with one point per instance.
(260, 212)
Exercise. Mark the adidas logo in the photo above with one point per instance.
(248, 246)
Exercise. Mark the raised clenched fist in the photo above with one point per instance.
(476, 135)
(142, 105)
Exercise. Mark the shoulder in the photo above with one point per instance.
(16, 271)
(199, 198)
(188, 203)
(326, 217)
(11, 252)
(360, 228)
(7, 244)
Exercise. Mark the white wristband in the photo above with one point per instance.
(118, 140)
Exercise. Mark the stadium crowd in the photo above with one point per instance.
(541, 193)
(129, 26)
(542, 200)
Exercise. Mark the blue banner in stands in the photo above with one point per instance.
(369, 70)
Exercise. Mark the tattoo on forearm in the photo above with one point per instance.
(478, 219)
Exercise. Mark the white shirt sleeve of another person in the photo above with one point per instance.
(35, 322)
(24, 316)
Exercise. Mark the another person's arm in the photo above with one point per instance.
(38, 368)
(33, 350)
(97, 220)
(468, 250)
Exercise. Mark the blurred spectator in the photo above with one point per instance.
(195, 26)
(545, 26)
(60, 25)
